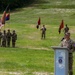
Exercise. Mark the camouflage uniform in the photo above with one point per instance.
(0, 37)
(14, 38)
(66, 29)
(4, 39)
(43, 32)
(8, 38)
(70, 45)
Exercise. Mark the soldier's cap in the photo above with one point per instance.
(8, 29)
(4, 30)
(67, 33)
(13, 30)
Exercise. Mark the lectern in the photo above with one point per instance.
(61, 60)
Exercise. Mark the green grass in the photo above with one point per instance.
(46, 4)
(25, 60)
(33, 55)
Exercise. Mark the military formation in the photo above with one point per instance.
(6, 38)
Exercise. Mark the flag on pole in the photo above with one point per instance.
(1, 25)
(7, 17)
(39, 22)
(3, 17)
(61, 26)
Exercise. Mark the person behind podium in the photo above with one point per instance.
(70, 44)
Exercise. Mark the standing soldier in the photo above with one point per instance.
(4, 38)
(70, 44)
(66, 29)
(43, 32)
(0, 37)
(14, 38)
(8, 38)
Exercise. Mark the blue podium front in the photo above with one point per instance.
(61, 60)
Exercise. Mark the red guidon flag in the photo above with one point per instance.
(39, 22)
(7, 16)
(61, 26)
(3, 17)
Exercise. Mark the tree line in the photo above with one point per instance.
(14, 3)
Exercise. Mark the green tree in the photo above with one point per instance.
(14, 3)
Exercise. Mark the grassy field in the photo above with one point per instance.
(33, 56)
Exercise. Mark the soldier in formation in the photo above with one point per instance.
(0, 37)
(5, 38)
(8, 38)
(14, 38)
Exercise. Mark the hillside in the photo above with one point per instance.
(45, 4)
(33, 56)
(24, 20)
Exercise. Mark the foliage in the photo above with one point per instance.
(44, 4)
(14, 3)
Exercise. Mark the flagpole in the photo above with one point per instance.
(40, 26)
(7, 7)
(4, 26)
(61, 26)
(8, 24)
(8, 20)
(6, 10)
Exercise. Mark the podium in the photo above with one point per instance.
(61, 60)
